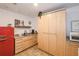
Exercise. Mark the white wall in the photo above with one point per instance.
(8, 17)
(72, 14)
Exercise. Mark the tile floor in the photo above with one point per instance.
(33, 51)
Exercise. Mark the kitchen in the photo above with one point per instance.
(33, 32)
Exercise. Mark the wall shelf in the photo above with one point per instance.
(22, 26)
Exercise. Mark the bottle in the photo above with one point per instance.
(25, 33)
(32, 31)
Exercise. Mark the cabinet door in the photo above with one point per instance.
(52, 44)
(43, 42)
(61, 33)
(39, 25)
(43, 24)
(52, 23)
(40, 41)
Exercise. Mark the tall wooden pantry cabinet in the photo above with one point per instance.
(61, 33)
(51, 33)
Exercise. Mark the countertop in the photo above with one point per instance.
(29, 35)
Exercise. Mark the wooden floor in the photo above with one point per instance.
(33, 51)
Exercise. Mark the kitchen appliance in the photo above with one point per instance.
(74, 36)
(6, 41)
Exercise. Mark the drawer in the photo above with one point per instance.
(24, 43)
(18, 50)
(16, 42)
(20, 39)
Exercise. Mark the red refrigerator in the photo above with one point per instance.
(6, 41)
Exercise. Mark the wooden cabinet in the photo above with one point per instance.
(52, 44)
(43, 24)
(40, 41)
(61, 33)
(24, 42)
(43, 42)
(52, 33)
(52, 23)
(39, 25)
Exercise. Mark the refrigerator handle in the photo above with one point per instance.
(1, 40)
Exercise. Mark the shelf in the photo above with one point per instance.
(22, 26)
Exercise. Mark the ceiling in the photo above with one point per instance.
(28, 9)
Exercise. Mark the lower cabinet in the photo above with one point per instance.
(43, 42)
(40, 41)
(52, 44)
(24, 43)
(47, 43)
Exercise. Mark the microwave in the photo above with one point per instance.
(74, 36)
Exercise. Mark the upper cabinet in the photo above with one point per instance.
(47, 24)
(52, 23)
(43, 24)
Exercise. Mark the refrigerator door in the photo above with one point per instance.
(6, 41)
